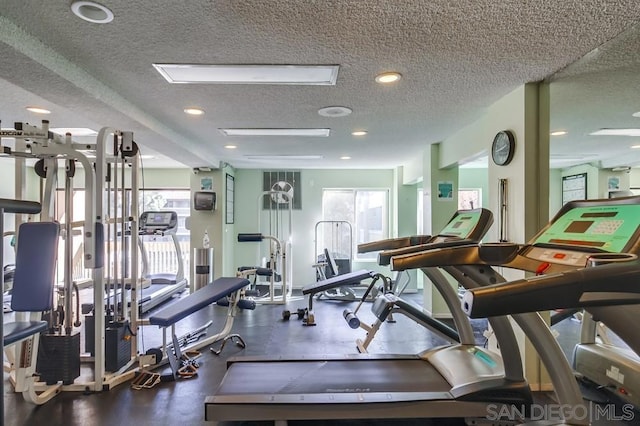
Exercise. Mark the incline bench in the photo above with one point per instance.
(216, 291)
(348, 279)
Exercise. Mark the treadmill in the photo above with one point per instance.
(163, 286)
(583, 233)
(459, 380)
(605, 242)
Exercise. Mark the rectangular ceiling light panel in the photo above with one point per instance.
(616, 132)
(323, 133)
(284, 157)
(250, 74)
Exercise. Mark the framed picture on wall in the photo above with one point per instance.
(230, 199)
(574, 187)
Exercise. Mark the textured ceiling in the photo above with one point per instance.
(456, 59)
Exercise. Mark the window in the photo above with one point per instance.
(160, 250)
(366, 209)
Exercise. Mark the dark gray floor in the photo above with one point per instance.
(264, 331)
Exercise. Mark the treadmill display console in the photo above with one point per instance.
(159, 219)
(608, 228)
(163, 221)
(462, 225)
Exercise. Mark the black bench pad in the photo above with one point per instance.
(197, 300)
(338, 281)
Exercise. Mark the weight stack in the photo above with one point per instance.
(59, 358)
(117, 345)
(90, 332)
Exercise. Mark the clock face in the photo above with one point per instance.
(502, 148)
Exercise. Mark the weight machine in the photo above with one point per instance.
(106, 252)
(275, 271)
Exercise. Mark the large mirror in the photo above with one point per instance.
(595, 119)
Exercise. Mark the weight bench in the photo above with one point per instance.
(32, 294)
(216, 291)
(348, 279)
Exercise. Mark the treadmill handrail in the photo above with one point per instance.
(605, 285)
(451, 253)
(393, 243)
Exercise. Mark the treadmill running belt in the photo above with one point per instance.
(335, 377)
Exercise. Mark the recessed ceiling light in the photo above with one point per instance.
(92, 12)
(345, 157)
(388, 77)
(359, 133)
(616, 132)
(284, 157)
(635, 146)
(636, 114)
(38, 110)
(230, 146)
(559, 133)
(276, 132)
(249, 74)
(335, 111)
(194, 111)
(75, 131)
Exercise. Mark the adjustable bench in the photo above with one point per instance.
(33, 284)
(348, 279)
(216, 291)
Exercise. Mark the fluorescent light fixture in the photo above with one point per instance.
(230, 146)
(559, 133)
(359, 133)
(388, 77)
(38, 110)
(635, 146)
(92, 12)
(194, 111)
(323, 133)
(636, 114)
(249, 74)
(616, 132)
(75, 131)
(284, 157)
(345, 157)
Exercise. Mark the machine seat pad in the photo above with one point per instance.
(197, 300)
(338, 281)
(16, 331)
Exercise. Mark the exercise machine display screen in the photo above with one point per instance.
(604, 228)
(159, 219)
(462, 225)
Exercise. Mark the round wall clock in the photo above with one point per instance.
(503, 147)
